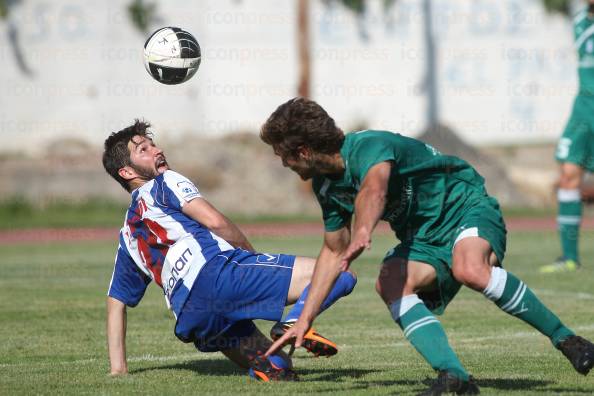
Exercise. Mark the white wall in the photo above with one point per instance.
(507, 70)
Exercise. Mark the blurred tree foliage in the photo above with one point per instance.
(3, 9)
(560, 6)
(142, 14)
(13, 36)
(358, 6)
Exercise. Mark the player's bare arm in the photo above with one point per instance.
(116, 336)
(202, 211)
(369, 207)
(327, 269)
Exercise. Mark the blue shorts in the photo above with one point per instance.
(230, 291)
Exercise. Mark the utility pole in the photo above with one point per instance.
(430, 83)
(303, 48)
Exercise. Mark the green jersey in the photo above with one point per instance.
(426, 190)
(577, 143)
(583, 27)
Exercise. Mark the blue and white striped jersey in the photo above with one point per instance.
(158, 242)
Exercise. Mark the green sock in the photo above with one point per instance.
(426, 334)
(568, 220)
(514, 297)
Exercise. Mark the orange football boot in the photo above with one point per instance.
(313, 341)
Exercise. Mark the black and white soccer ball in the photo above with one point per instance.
(171, 55)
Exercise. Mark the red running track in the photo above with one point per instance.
(48, 235)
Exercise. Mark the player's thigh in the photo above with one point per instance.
(302, 272)
(472, 259)
(478, 244)
(256, 342)
(399, 277)
(484, 220)
(250, 286)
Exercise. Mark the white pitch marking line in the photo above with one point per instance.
(549, 292)
(198, 356)
(143, 358)
(468, 340)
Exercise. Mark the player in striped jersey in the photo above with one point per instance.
(451, 233)
(575, 149)
(212, 280)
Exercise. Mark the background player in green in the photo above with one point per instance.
(451, 233)
(575, 150)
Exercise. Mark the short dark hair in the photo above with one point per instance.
(116, 154)
(302, 122)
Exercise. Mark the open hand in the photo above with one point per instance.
(297, 332)
(355, 248)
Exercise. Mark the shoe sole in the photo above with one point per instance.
(312, 342)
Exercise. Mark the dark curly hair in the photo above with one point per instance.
(302, 122)
(117, 154)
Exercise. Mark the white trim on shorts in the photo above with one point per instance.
(467, 233)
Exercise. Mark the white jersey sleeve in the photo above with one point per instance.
(180, 186)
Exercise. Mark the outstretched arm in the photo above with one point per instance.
(327, 269)
(203, 212)
(369, 207)
(116, 336)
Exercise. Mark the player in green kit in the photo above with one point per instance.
(451, 234)
(575, 149)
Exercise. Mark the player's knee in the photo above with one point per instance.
(570, 177)
(461, 268)
(569, 182)
(378, 287)
(382, 283)
(389, 281)
(382, 287)
(302, 274)
(388, 290)
(471, 271)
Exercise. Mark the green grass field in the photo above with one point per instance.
(18, 213)
(53, 331)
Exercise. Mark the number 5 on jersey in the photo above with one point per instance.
(563, 148)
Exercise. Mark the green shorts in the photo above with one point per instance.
(577, 143)
(482, 219)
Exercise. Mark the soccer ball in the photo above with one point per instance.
(171, 55)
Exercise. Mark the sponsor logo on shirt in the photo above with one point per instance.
(187, 189)
(396, 207)
(176, 269)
